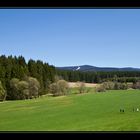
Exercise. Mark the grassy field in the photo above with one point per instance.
(86, 112)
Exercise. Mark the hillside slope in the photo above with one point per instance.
(85, 68)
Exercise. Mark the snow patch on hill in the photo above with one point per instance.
(78, 68)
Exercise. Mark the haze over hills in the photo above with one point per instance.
(86, 68)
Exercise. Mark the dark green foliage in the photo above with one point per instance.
(16, 67)
(99, 77)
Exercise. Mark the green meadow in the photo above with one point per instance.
(76, 112)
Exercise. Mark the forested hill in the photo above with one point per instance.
(86, 68)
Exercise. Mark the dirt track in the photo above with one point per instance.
(74, 84)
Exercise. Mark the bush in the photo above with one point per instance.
(24, 89)
(112, 86)
(88, 90)
(108, 85)
(118, 86)
(54, 89)
(58, 88)
(14, 88)
(2, 92)
(124, 86)
(63, 87)
(136, 85)
(101, 88)
(81, 87)
(34, 87)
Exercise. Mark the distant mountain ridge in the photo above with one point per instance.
(87, 68)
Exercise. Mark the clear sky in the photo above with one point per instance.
(67, 37)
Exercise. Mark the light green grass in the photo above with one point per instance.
(86, 112)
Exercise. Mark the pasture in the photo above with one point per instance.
(82, 112)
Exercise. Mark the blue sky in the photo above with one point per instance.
(66, 37)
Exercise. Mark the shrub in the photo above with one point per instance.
(117, 86)
(34, 87)
(58, 88)
(63, 87)
(108, 85)
(88, 90)
(101, 88)
(136, 85)
(24, 89)
(81, 87)
(124, 86)
(14, 88)
(2, 92)
(54, 89)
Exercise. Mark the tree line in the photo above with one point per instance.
(23, 80)
(99, 77)
(17, 76)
